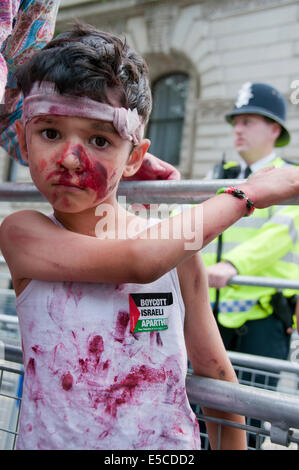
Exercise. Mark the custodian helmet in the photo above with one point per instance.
(263, 99)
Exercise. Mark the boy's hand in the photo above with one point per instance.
(271, 186)
(153, 168)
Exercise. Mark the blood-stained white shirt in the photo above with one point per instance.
(105, 367)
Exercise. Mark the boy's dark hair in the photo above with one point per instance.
(87, 62)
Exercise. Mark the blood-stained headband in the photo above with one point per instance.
(43, 99)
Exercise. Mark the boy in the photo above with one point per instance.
(95, 376)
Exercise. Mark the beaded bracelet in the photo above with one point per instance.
(240, 195)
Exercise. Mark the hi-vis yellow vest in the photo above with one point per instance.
(265, 244)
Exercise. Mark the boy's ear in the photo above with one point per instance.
(136, 158)
(22, 140)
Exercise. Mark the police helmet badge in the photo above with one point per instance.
(244, 95)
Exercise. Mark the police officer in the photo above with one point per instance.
(256, 320)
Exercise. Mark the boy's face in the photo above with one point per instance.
(77, 163)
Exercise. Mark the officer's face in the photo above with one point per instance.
(254, 137)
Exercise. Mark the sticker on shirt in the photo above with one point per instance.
(150, 312)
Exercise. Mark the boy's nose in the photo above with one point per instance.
(71, 158)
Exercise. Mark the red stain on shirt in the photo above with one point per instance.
(83, 365)
(37, 349)
(126, 390)
(122, 322)
(67, 381)
(31, 366)
(96, 345)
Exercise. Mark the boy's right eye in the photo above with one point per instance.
(50, 134)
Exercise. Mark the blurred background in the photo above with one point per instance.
(199, 54)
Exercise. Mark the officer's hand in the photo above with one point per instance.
(220, 273)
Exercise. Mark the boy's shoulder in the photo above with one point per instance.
(21, 216)
(17, 223)
(20, 234)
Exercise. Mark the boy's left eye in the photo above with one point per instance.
(50, 134)
(99, 142)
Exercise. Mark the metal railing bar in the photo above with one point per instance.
(233, 424)
(9, 319)
(11, 397)
(258, 365)
(146, 192)
(7, 292)
(265, 405)
(8, 431)
(13, 354)
(13, 370)
(5, 275)
(276, 283)
(263, 363)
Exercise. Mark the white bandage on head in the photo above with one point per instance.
(43, 99)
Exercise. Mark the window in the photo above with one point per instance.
(12, 170)
(166, 123)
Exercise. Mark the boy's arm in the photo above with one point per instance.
(35, 248)
(205, 348)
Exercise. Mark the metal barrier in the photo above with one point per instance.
(264, 372)
(279, 409)
(144, 192)
(11, 379)
(256, 376)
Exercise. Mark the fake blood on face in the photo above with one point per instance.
(122, 322)
(89, 174)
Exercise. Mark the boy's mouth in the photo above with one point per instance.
(68, 184)
(65, 180)
(93, 178)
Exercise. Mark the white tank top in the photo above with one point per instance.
(105, 366)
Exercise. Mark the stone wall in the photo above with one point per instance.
(221, 44)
